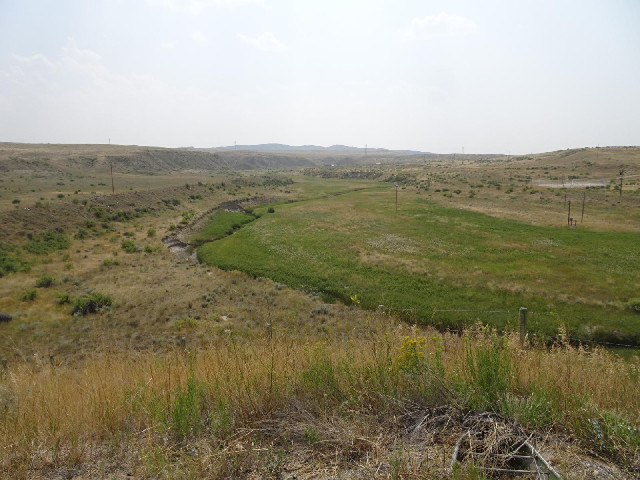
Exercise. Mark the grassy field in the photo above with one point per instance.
(170, 368)
(426, 257)
(221, 224)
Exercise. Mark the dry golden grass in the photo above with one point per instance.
(273, 389)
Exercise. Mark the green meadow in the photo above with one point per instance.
(425, 260)
(221, 223)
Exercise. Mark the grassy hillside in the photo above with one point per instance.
(120, 359)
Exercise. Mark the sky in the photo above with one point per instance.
(438, 76)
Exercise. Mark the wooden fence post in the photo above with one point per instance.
(522, 324)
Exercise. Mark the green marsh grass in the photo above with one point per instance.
(222, 223)
(428, 257)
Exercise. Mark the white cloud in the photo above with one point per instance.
(267, 42)
(197, 6)
(32, 59)
(198, 37)
(74, 96)
(441, 25)
(168, 45)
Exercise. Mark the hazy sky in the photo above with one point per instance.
(492, 76)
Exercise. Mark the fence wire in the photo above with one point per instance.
(515, 314)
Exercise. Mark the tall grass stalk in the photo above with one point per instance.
(237, 384)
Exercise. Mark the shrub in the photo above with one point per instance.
(129, 246)
(63, 298)
(91, 303)
(151, 232)
(271, 210)
(633, 305)
(108, 262)
(15, 201)
(9, 263)
(47, 243)
(81, 234)
(29, 295)
(45, 281)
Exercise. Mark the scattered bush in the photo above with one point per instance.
(271, 210)
(63, 298)
(151, 232)
(91, 303)
(47, 243)
(15, 201)
(129, 246)
(108, 262)
(45, 281)
(9, 262)
(29, 295)
(81, 234)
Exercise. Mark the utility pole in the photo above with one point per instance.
(113, 188)
(584, 197)
(396, 198)
(569, 214)
(621, 173)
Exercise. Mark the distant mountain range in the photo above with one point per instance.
(280, 147)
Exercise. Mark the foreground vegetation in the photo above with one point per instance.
(369, 399)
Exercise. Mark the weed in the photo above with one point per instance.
(311, 435)
(185, 415)
(489, 370)
(186, 323)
